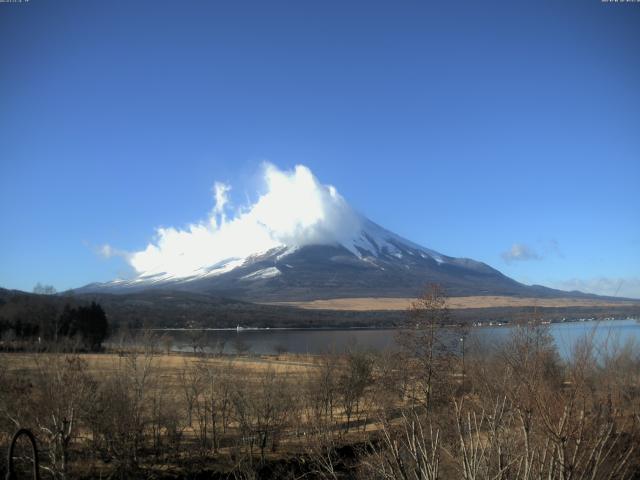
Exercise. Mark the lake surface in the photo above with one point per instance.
(606, 333)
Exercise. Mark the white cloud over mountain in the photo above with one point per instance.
(295, 210)
(520, 252)
(107, 251)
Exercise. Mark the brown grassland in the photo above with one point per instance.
(381, 303)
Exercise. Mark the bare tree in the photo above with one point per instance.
(62, 386)
(321, 388)
(190, 384)
(422, 342)
(120, 413)
(167, 343)
(410, 450)
(353, 380)
(240, 346)
(280, 349)
(262, 412)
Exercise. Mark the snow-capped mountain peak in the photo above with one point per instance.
(300, 238)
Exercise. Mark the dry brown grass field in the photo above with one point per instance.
(381, 303)
(272, 389)
(515, 411)
(167, 365)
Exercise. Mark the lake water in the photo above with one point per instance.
(315, 341)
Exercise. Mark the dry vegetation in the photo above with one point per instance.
(381, 303)
(513, 411)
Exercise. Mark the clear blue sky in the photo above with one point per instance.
(478, 129)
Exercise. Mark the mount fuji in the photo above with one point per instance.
(300, 240)
(372, 263)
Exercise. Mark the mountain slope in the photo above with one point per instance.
(373, 262)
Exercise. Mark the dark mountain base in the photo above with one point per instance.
(157, 309)
(176, 311)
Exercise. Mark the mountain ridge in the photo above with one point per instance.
(373, 262)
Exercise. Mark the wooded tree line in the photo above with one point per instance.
(512, 410)
(30, 321)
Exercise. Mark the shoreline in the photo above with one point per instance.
(480, 324)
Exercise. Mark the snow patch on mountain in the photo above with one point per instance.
(262, 274)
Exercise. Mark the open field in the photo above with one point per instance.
(166, 366)
(391, 304)
(147, 414)
(187, 408)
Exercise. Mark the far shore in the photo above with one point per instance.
(455, 303)
(479, 324)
